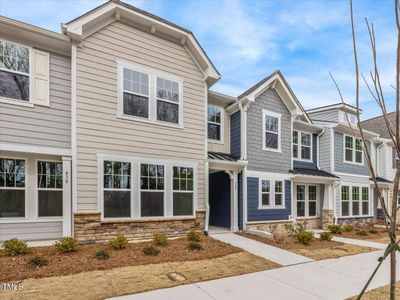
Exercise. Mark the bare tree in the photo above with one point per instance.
(375, 88)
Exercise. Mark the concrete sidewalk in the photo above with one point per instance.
(326, 279)
(280, 256)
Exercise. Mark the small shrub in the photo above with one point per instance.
(362, 233)
(373, 231)
(348, 228)
(326, 236)
(37, 261)
(102, 255)
(305, 237)
(66, 244)
(280, 236)
(15, 247)
(194, 246)
(119, 242)
(295, 228)
(193, 236)
(335, 229)
(160, 239)
(151, 251)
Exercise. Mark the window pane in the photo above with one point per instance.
(312, 209)
(306, 139)
(271, 124)
(365, 208)
(349, 142)
(167, 89)
(214, 131)
(305, 152)
(265, 199)
(152, 204)
(312, 192)
(345, 193)
(183, 204)
(117, 204)
(301, 208)
(136, 105)
(10, 179)
(359, 156)
(271, 140)
(345, 208)
(301, 192)
(356, 193)
(278, 186)
(295, 136)
(14, 86)
(167, 112)
(295, 151)
(278, 199)
(356, 208)
(349, 155)
(50, 203)
(358, 145)
(107, 167)
(12, 203)
(265, 186)
(365, 194)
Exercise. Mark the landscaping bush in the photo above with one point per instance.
(335, 229)
(373, 231)
(305, 237)
(37, 261)
(280, 237)
(295, 228)
(66, 244)
(102, 255)
(195, 246)
(15, 247)
(119, 242)
(193, 236)
(325, 236)
(151, 251)
(348, 228)
(362, 233)
(160, 239)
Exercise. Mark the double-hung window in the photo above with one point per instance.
(306, 200)
(50, 188)
(301, 145)
(214, 123)
(135, 93)
(151, 190)
(14, 71)
(167, 100)
(271, 131)
(353, 150)
(12, 188)
(345, 193)
(117, 189)
(183, 191)
(355, 201)
(365, 200)
(271, 194)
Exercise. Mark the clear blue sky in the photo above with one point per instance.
(248, 40)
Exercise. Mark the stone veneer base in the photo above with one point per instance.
(89, 229)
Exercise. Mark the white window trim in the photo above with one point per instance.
(351, 201)
(153, 75)
(7, 100)
(221, 140)
(354, 151)
(182, 191)
(37, 189)
(135, 186)
(307, 201)
(271, 194)
(276, 115)
(299, 145)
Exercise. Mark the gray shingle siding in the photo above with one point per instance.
(325, 151)
(340, 165)
(306, 164)
(235, 134)
(259, 159)
(328, 115)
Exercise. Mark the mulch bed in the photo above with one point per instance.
(59, 264)
(373, 234)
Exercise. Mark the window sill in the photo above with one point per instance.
(216, 142)
(272, 150)
(355, 217)
(303, 160)
(146, 219)
(353, 163)
(271, 207)
(143, 120)
(16, 102)
(307, 218)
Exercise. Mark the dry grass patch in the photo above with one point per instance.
(135, 279)
(316, 250)
(373, 234)
(381, 293)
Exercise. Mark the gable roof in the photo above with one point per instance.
(116, 10)
(378, 125)
(339, 105)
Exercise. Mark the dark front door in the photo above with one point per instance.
(220, 199)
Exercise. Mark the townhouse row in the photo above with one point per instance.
(111, 128)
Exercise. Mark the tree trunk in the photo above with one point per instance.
(393, 275)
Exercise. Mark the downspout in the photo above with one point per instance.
(318, 152)
(206, 168)
(243, 149)
(207, 220)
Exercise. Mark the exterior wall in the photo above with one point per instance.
(220, 199)
(305, 164)
(325, 151)
(99, 130)
(390, 172)
(273, 214)
(263, 160)
(328, 115)
(41, 125)
(224, 145)
(343, 167)
(89, 229)
(235, 134)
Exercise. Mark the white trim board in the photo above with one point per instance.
(35, 149)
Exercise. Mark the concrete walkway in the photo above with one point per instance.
(359, 242)
(280, 256)
(326, 279)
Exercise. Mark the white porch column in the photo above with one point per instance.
(328, 199)
(234, 203)
(67, 199)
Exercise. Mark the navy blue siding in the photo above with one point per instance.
(220, 199)
(235, 134)
(255, 214)
(305, 164)
(240, 200)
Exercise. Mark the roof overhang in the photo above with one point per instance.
(222, 165)
(308, 127)
(345, 128)
(313, 179)
(112, 11)
(220, 99)
(344, 106)
(34, 36)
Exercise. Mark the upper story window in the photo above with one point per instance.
(395, 159)
(301, 145)
(14, 71)
(271, 131)
(352, 118)
(214, 123)
(353, 150)
(149, 95)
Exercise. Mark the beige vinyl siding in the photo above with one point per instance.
(99, 131)
(31, 231)
(41, 125)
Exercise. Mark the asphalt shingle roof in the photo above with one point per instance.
(222, 156)
(378, 124)
(311, 172)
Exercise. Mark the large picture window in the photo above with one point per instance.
(12, 188)
(353, 150)
(167, 100)
(50, 187)
(151, 190)
(271, 194)
(117, 189)
(355, 201)
(271, 131)
(214, 123)
(183, 194)
(301, 145)
(306, 200)
(14, 71)
(135, 93)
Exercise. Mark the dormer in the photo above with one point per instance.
(335, 113)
